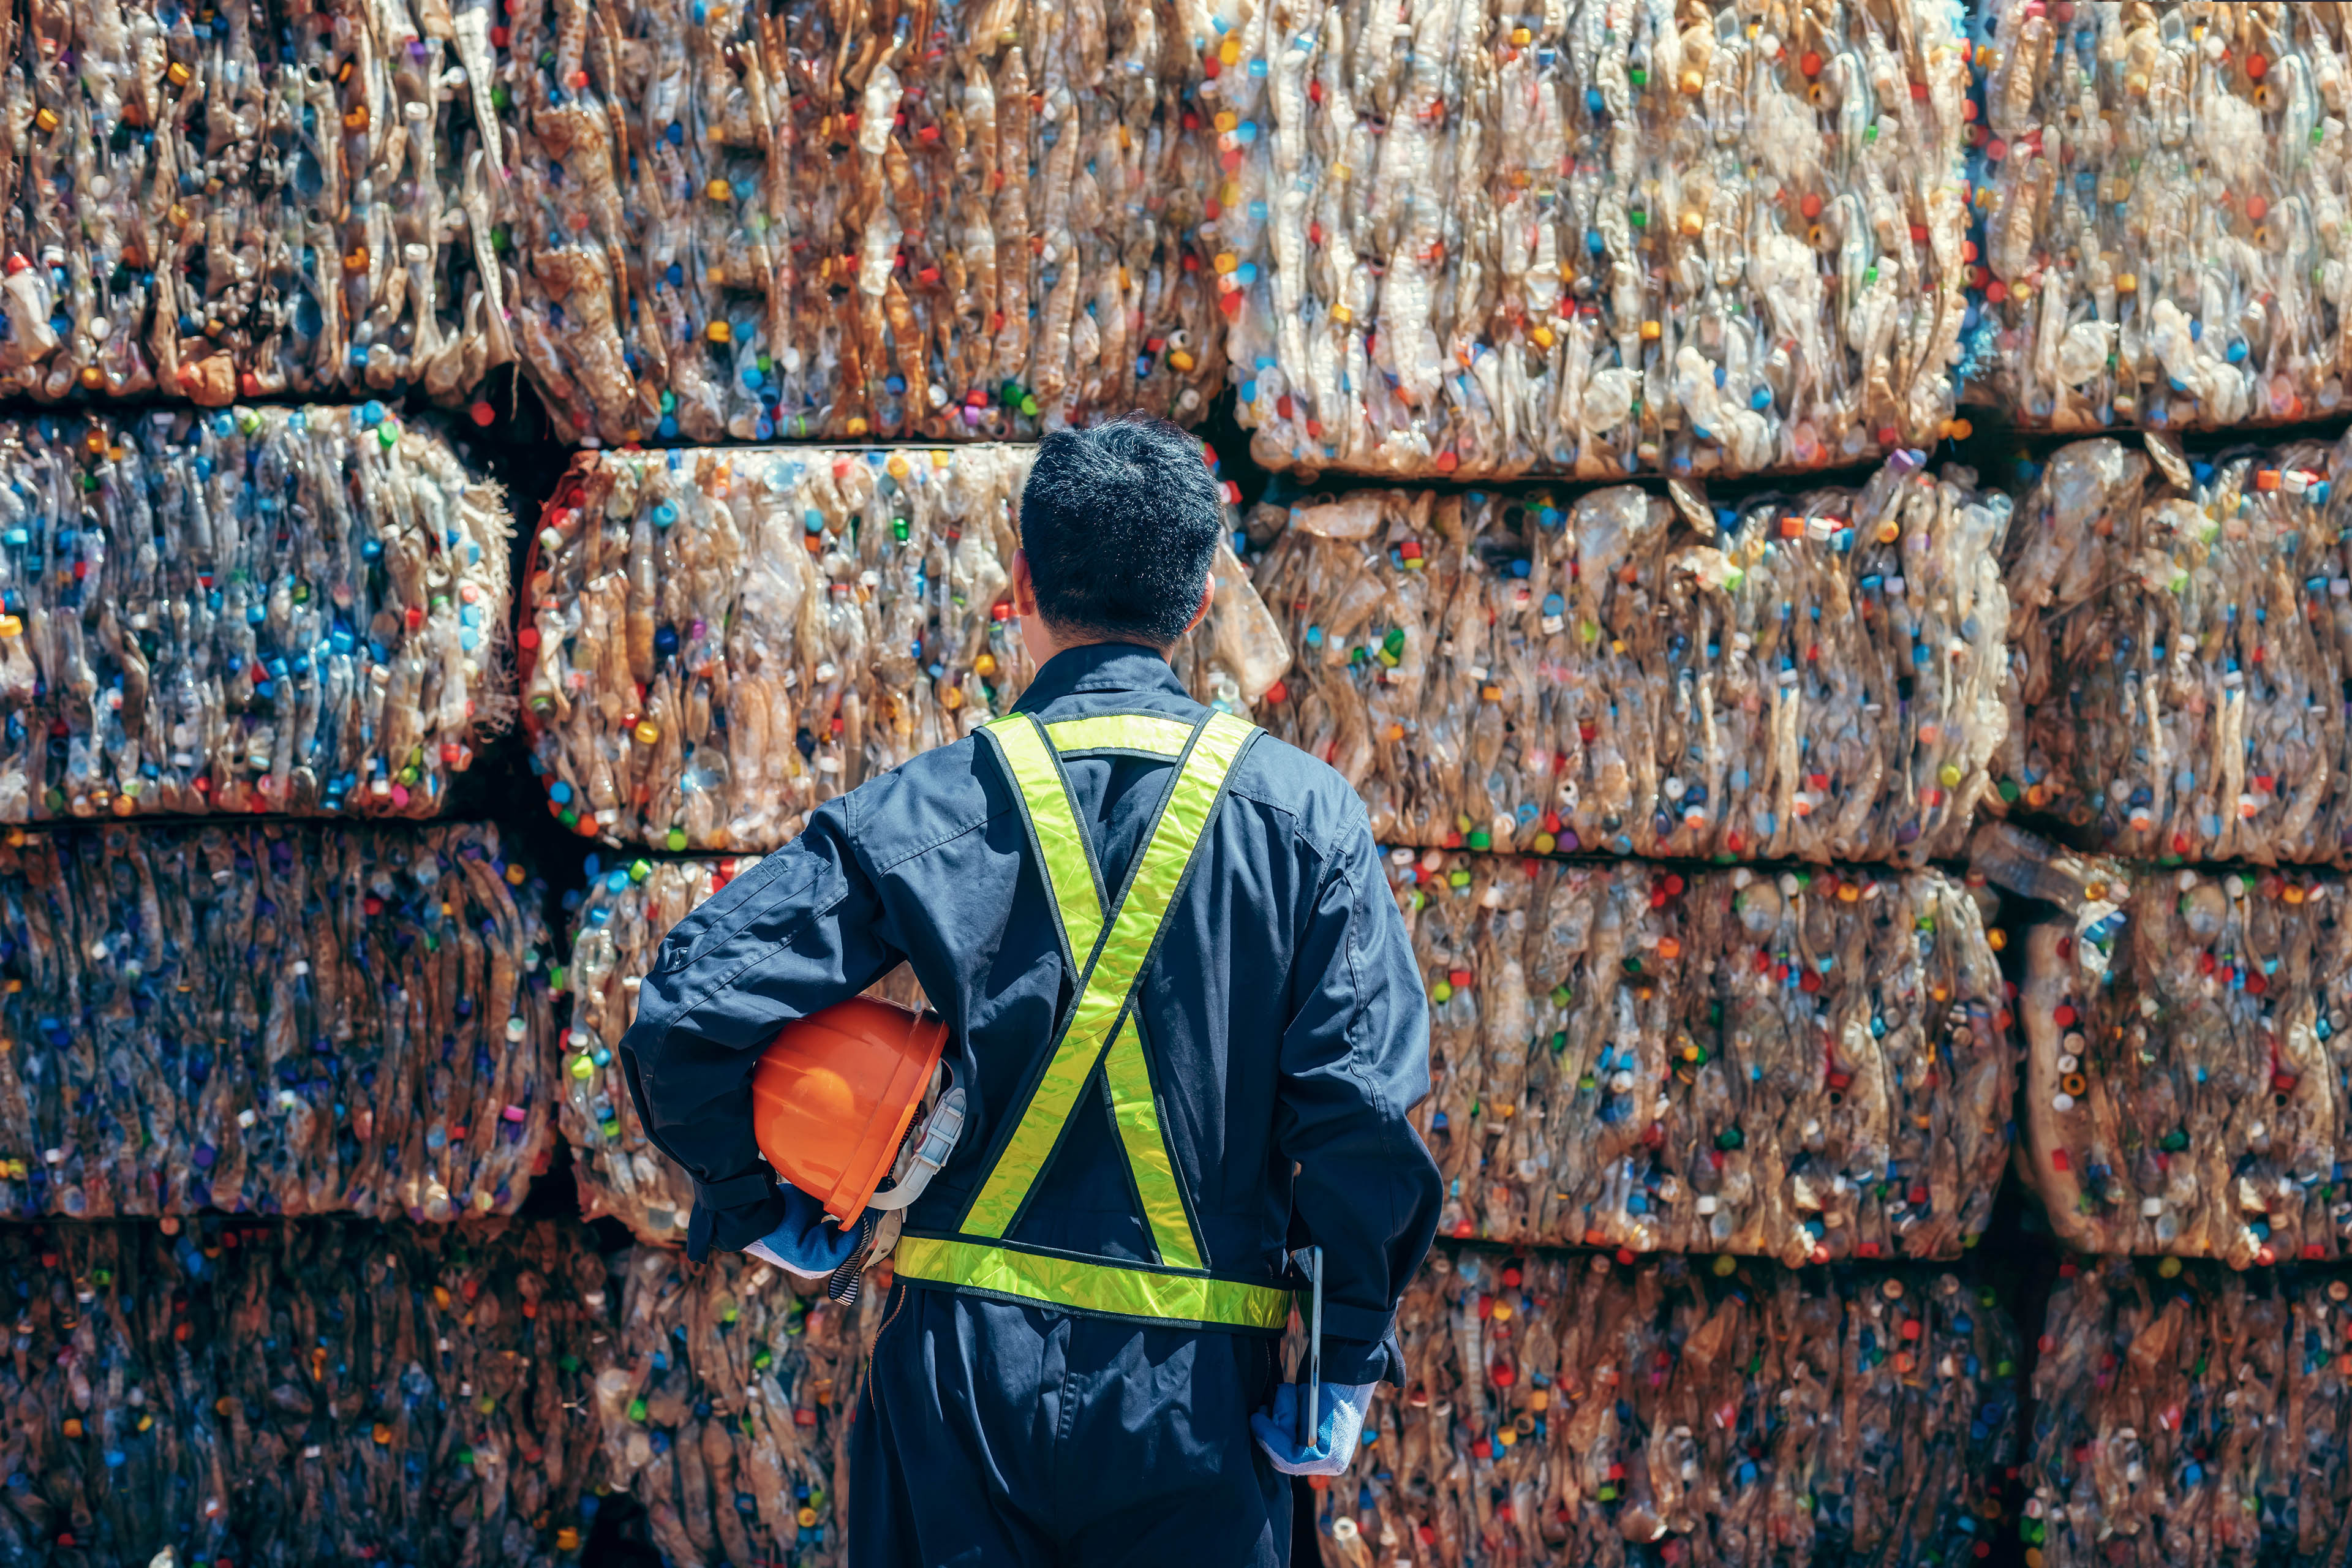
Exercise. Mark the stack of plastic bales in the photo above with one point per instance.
(1576, 1410)
(249, 615)
(1818, 678)
(1806, 1059)
(2183, 631)
(272, 1019)
(2152, 179)
(1587, 239)
(946, 226)
(1802, 1065)
(929, 224)
(2182, 1094)
(723, 1398)
(293, 610)
(277, 200)
(215, 1391)
(2179, 626)
(2189, 1415)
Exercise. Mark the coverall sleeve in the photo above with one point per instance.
(796, 933)
(1355, 1059)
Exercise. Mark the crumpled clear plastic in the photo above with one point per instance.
(2159, 186)
(1811, 1065)
(289, 610)
(625, 912)
(287, 199)
(1678, 1411)
(238, 1391)
(715, 642)
(2186, 1416)
(811, 221)
(725, 1399)
(2182, 633)
(2185, 1090)
(1590, 240)
(273, 1019)
(1818, 678)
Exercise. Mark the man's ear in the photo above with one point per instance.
(1208, 594)
(1024, 586)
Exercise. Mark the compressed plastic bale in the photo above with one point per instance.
(2183, 635)
(725, 1399)
(616, 939)
(1576, 1410)
(716, 643)
(1591, 239)
(895, 222)
(1815, 1067)
(285, 200)
(1821, 677)
(291, 610)
(271, 1018)
(2184, 1092)
(2158, 177)
(2187, 1416)
(320, 1392)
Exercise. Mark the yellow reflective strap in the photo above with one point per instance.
(1137, 1115)
(1126, 945)
(1121, 733)
(1070, 870)
(1121, 1290)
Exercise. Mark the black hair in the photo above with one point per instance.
(1120, 524)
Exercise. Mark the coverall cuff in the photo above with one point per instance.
(1354, 1363)
(1365, 1325)
(733, 1214)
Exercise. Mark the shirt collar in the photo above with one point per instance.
(1100, 666)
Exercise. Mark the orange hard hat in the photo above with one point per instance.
(834, 1092)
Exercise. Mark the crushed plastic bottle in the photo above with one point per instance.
(627, 912)
(716, 643)
(2189, 1415)
(1813, 1065)
(268, 201)
(258, 1392)
(283, 610)
(1819, 677)
(1675, 1410)
(2184, 1088)
(271, 1019)
(725, 1399)
(1591, 239)
(2183, 633)
(807, 223)
(2156, 181)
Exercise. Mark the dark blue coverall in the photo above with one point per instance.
(1285, 1018)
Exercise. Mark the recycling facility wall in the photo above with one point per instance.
(1749, 495)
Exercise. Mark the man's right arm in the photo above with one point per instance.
(794, 936)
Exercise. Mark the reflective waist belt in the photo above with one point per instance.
(1101, 1044)
(1108, 1289)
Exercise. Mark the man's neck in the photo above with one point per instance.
(1061, 647)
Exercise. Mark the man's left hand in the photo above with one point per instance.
(808, 1243)
(1339, 1422)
